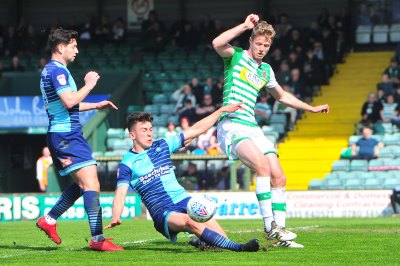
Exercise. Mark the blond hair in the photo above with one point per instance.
(263, 29)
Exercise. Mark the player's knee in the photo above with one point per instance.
(192, 226)
(261, 166)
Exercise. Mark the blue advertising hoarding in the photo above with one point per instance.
(29, 111)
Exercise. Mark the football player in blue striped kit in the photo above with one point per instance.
(70, 151)
(147, 169)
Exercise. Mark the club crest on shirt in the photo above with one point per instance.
(61, 79)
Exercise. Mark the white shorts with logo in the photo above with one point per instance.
(231, 134)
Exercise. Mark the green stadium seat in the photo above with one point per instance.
(110, 153)
(154, 109)
(160, 99)
(161, 77)
(115, 133)
(388, 127)
(165, 56)
(97, 153)
(391, 183)
(280, 128)
(376, 162)
(391, 139)
(392, 162)
(353, 184)
(178, 76)
(120, 144)
(316, 184)
(372, 184)
(332, 184)
(333, 175)
(353, 139)
(161, 131)
(160, 120)
(110, 142)
(364, 175)
(341, 165)
(359, 165)
(345, 175)
(272, 138)
(383, 175)
(168, 87)
(174, 119)
(134, 108)
(387, 152)
(278, 118)
(167, 109)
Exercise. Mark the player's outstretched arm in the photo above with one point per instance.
(221, 43)
(204, 124)
(85, 106)
(290, 100)
(118, 206)
(72, 98)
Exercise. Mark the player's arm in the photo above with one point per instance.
(204, 124)
(71, 98)
(290, 100)
(118, 206)
(221, 43)
(85, 106)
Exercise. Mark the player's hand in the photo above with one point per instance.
(251, 21)
(320, 109)
(106, 104)
(113, 223)
(232, 108)
(91, 79)
(42, 188)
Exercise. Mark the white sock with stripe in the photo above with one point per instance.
(278, 200)
(263, 192)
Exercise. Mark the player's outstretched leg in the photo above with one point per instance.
(48, 223)
(212, 238)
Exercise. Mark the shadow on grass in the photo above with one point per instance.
(22, 247)
(162, 246)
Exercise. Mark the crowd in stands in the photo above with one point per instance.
(24, 40)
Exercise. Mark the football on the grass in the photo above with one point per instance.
(201, 208)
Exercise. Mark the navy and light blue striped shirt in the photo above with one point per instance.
(151, 175)
(54, 80)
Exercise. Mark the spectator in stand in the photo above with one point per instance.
(262, 110)
(276, 58)
(119, 30)
(297, 85)
(397, 95)
(15, 65)
(197, 89)
(2, 45)
(86, 31)
(313, 33)
(386, 85)
(214, 148)
(317, 66)
(341, 47)
(329, 49)
(368, 146)
(283, 74)
(187, 38)
(181, 95)
(211, 88)
(185, 124)
(11, 41)
(224, 179)
(280, 108)
(189, 112)
(204, 142)
(370, 112)
(42, 64)
(389, 111)
(155, 38)
(150, 22)
(206, 30)
(31, 42)
(1, 68)
(193, 173)
(295, 40)
(294, 61)
(206, 107)
(172, 131)
(102, 32)
(395, 199)
(393, 72)
(42, 164)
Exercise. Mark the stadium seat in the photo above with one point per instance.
(332, 184)
(272, 138)
(352, 184)
(363, 34)
(278, 119)
(345, 175)
(372, 184)
(280, 128)
(115, 133)
(383, 175)
(359, 165)
(160, 99)
(388, 127)
(161, 77)
(392, 162)
(364, 175)
(391, 183)
(392, 139)
(110, 153)
(121, 144)
(386, 152)
(134, 108)
(333, 175)
(160, 120)
(394, 33)
(167, 109)
(168, 87)
(341, 165)
(376, 162)
(161, 131)
(380, 34)
(316, 184)
(97, 153)
(353, 139)
(154, 109)
(174, 119)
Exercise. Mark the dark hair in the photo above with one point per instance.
(60, 35)
(136, 117)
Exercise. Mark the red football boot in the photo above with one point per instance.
(49, 229)
(104, 245)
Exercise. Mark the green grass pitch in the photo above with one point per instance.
(356, 241)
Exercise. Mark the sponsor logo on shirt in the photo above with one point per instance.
(61, 79)
(156, 173)
(252, 78)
